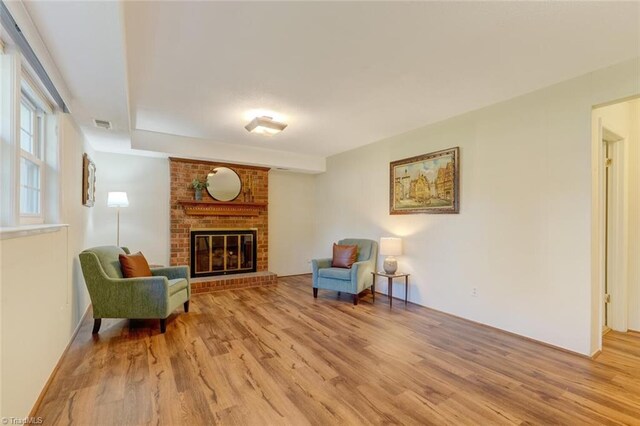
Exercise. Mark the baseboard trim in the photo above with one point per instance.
(531, 339)
(409, 301)
(294, 275)
(549, 345)
(36, 405)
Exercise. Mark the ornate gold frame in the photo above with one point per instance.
(455, 205)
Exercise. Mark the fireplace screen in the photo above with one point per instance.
(220, 252)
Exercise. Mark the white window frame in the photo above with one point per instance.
(19, 87)
(38, 138)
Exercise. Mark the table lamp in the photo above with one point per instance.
(390, 246)
(117, 199)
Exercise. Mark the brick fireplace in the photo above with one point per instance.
(248, 212)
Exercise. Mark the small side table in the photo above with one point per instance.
(390, 277)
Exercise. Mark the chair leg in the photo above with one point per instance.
(186, 306)
(373, 291)
(163, 325)
(96, 325)
(355, 299)
(315, 292)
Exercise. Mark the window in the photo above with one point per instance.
(30, 181)
(31, 161)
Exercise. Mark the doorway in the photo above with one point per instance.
(617, 217)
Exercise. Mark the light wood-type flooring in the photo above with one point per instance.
(275, 356)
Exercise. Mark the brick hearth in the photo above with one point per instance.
(182, 172)
(226, 282)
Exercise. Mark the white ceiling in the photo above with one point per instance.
(180, 77)
(86, 42)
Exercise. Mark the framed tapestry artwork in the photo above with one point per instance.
(88, 181)
(427, 183)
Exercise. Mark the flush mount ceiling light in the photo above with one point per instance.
(265, 125)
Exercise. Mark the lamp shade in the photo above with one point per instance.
(117, 199)
(390, 246)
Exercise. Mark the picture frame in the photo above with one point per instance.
(88, 181)
(428, 183)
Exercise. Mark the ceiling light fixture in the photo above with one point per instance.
(265, 125)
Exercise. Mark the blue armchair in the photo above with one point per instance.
(354, 280)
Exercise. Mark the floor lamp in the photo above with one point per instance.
(117, 200)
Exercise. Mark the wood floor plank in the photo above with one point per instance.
(275, 355)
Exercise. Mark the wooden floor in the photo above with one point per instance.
(274, 355)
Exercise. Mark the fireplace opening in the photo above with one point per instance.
(223, 252)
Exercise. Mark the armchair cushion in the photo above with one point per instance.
(335, 273)
(344, 255)
(134, 265)
(176, 285)
(365, 247)
(108, 257)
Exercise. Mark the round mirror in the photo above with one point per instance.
(224, 184)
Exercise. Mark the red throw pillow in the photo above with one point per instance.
(134, 265)
(344, 255)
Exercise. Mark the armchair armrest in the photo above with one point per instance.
(171, 272)
(321, 263)
(361, 275)
(318, 264)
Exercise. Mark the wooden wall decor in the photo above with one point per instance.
(88, 181)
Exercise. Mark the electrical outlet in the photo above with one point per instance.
(474, 292)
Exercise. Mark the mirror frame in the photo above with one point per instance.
(210, 187)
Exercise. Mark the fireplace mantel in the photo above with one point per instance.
(219, 208)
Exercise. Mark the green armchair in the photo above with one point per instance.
(114, 296)
(352, 281)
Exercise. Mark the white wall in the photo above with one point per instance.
(79, 217)
(144, 225)
(523, 235)
(43, 293)
(292, 215)
(37, 314)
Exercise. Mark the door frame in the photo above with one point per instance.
(598, 231)
(615, 244)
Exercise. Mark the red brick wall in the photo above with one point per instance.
(182, 172)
